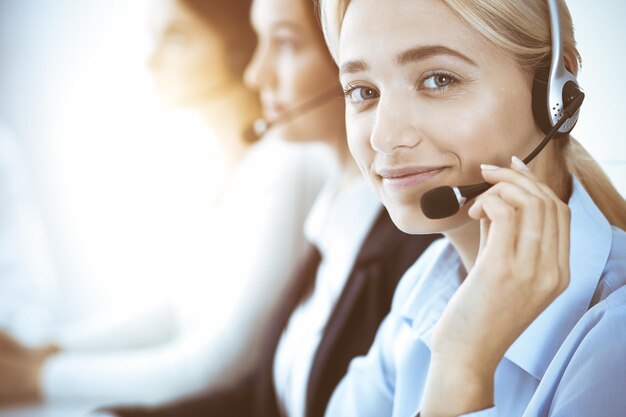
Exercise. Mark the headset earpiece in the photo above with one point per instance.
(554, 87)
(553, 90)
(540, 92)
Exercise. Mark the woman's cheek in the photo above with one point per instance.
(358, 141)
(465, 138)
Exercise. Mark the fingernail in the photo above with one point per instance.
(487, 167)
(518, 164)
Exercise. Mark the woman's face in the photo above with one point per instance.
(291, 66)
(428, 100)
(189, 61)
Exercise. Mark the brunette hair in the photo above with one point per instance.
(231, 20)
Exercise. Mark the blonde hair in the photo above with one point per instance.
(522, 30)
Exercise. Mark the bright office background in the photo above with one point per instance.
(120, 179)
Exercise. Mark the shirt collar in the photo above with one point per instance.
(339, 217)
(435, 278)
(534, 349)
(590, 245)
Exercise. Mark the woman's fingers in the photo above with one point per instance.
(542, 226)
(558, 225)
(525, 179)
(502, 219)
(518, 174)
(530, 226)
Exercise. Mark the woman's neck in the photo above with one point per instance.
(466, 241)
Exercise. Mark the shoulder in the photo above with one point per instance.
(617, 256)
(603, 322)
(607, 314)
(614, 271)
(599, 337)
(589, 371)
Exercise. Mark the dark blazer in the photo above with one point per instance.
(366, 299)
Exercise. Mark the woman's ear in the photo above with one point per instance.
(571, 63)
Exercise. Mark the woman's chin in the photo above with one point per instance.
(413, 221)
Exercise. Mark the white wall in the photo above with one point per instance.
(601, 32)
(121, 180)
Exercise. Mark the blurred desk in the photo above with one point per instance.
(47, 410)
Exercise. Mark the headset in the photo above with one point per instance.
(556, 101)
(261, 126)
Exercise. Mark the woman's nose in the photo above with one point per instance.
(395, 126)
(258, 73)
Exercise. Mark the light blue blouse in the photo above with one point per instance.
(570, 362)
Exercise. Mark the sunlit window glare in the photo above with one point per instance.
(129, 181)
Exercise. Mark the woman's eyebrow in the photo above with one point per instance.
(352, 67)
(285, 25)
(407, 57)
(423, 52)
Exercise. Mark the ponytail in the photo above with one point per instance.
(581, 164)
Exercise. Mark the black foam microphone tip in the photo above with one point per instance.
(439, 203)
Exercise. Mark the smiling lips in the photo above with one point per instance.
(407, 177)
(272, 108)
(273, 111)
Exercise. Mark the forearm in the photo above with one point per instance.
(147, 375)
(139, 327)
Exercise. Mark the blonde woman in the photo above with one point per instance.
(521, 308)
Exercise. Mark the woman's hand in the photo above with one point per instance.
(20, 368)
(522, 266)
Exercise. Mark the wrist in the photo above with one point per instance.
(454, 388)
(470, 362)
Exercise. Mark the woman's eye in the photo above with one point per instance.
(361, 94)
(438, 81)
(286, 43)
